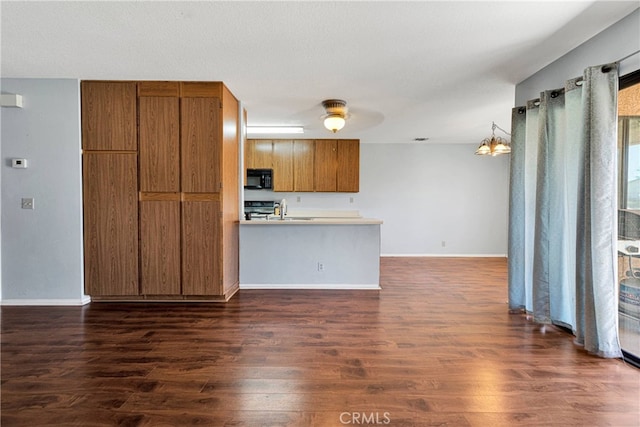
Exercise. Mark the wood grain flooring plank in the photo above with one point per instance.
(436, 346)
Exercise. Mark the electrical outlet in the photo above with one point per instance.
(444, 243)
(28, 203)
(320, 266)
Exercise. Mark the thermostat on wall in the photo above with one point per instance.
(19, 163)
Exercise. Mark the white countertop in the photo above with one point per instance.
(312, 221)
(314, 217)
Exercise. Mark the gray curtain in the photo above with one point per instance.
(517, 248)
(562, 229)
(522, 199)
(597, 296)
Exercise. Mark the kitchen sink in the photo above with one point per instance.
(297, 218)
(277, 218)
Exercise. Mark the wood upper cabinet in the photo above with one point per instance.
(159, 137)
(201, 145)
(109, 115)
(180, 147)
(271, 154)
(348, 166)
(326, 151)
(258, 154)
(303, 165)
(283, 165)
(306, 165)
(110, 193)
(337, 165)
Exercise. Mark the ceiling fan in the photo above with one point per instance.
(311, 120)
(336, 114)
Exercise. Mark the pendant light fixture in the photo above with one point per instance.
(336, 114)
(494, 145)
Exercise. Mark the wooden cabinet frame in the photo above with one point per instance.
(308, 165)
(160, 222)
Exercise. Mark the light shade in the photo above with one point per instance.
(494, 145)
(336, 114)
(483, 149)
(501, 147)
(334, 122)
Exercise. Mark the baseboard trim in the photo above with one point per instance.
(303, 286)
(34, 302)
(444, 255)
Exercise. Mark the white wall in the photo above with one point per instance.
(425, 194)
(42, 248)
(286, 256)
(610, 45)
(429, 194)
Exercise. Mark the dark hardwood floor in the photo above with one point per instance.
(436, 346)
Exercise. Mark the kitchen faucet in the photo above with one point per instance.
(283, 208)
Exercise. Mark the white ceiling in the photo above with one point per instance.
(442, 70)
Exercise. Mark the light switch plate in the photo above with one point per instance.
(27, 203)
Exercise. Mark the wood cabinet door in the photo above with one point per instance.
(303, 165)
(200, 145)
(325, 165)
(109, 116)
(160, 247)
(258, 154)
(110, 223)
(348, 169)
(282, 165)
(159, 139)
(201, 248)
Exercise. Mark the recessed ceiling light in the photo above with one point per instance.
(274, 129)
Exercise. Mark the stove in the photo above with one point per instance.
(258, 208)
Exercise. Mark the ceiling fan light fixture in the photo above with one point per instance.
(334, 122)
(336, 114)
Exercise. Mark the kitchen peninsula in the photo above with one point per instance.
(310, 252)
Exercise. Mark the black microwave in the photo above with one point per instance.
(259, 179)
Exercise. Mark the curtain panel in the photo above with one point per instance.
(563, 209)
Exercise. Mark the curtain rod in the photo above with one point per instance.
(628, 56)
(579, 82)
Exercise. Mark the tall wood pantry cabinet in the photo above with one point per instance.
(160, 162)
